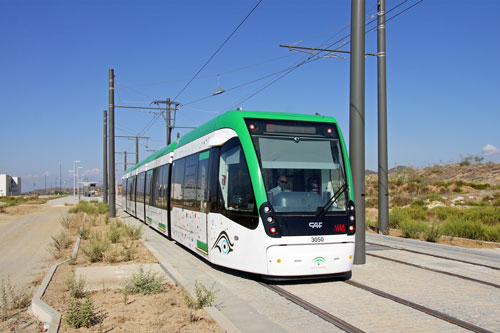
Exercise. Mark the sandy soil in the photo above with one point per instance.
(164, 312)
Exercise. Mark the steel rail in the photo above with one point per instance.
(426, 310)
(436, 256)
(436, 270)
(343, 325)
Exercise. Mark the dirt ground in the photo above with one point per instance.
(163, 312)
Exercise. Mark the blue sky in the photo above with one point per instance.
(442, 70)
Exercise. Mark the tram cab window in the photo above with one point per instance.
(313, 168)
(236, 193)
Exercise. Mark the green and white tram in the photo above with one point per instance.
(266, 193)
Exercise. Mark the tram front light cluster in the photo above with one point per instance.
(270, 222)
(351, 218)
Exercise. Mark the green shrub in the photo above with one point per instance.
(144, 283)
(418, 203)
(371, 224)
(492, 233)
(412, 228)
(399, 201)
(435, 197)
(397, 216)
(432, 233)
(81, 314)
(459, 226)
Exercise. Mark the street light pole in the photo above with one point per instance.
(74, 176)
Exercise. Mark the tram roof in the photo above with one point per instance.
(230, 119)
(233, 119)
(162, 152)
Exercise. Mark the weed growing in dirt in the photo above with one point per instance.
(76, 287)
(66, 222)
(128, 252)
(114, 235)
(81, 314)
(145, 283)
(132, 232)
(12, 298)
(204, 296)
(60, 242)
(96, 248)
(91, 208)
(84, 233)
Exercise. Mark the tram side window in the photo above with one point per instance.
(140, 187)
(177, 182)
(237, 197)
(147, 193)
(189, 184)
(132, 188)
(165, 169)
(202, 182)
(155, 189)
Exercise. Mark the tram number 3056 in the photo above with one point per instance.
(317, 239)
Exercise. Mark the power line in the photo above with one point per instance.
(316, 56)
(220, 47)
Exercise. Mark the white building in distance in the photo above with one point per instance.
(9, 185)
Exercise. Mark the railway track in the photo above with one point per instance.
(436, 256)
(348, 327)
(491, 284)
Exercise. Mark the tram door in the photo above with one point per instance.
(202, 202)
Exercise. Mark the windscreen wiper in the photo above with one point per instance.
(321, 211)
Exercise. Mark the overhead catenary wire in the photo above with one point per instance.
(218, 49)
(311, 58)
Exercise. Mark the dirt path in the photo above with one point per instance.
(24, 241)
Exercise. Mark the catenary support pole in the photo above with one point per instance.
(169, 127)
(383, 181)
(105, 160)
(125, 161)
(112, 207)
(136, 150)
(357, 122)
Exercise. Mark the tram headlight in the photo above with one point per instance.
(270, 219)
(351, 218)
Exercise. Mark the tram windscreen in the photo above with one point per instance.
(301, 173)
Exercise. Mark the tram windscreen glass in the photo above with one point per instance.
(301, 173)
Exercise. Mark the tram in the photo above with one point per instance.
(261, 192)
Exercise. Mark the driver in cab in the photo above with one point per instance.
(282, 181)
